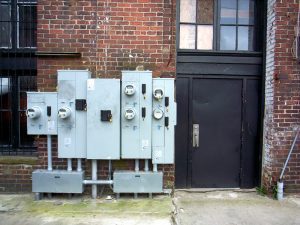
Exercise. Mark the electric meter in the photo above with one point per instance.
(129, 89)
(129, 113)
(158, 93)
(64, 112)
(158, 113)
(34, 112)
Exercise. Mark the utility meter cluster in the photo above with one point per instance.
(108, 119)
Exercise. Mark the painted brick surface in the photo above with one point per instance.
(282, 96)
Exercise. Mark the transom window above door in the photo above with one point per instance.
(218, 25)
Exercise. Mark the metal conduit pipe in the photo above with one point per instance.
(97, 182)
(94, 178)
(289, 155)
(79, 167)
(280, 181)
(49, 151)
(146, 165)
(137, 165)
(109, 169)
(69, 164)
(155, 167)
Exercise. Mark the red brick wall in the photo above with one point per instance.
(111, 35)
(282, 109)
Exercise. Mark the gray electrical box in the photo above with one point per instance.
(72, 113)
(136, 111)
(57, 181)
(138, 182)
(103, 119)
(41, 113)
(163, 121)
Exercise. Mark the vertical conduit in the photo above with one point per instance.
(94, 178)
(109, 169)
(137, 168)
(79, 167)
(49, 150)
(137, 165)
(69, 164)
(155, 167)
(146, 165)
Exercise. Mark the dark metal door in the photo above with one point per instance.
(217, 109)
(217, 133)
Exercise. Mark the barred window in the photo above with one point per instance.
(17, 74)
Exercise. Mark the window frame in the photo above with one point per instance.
(217, 29)
(15, 23)
(19, 66)
(14, 145)
(8, 3)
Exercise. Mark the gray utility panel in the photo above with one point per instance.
(41, 113)
(103, 119)
(72, 113)
(163, 121)
(138, 182)
(57, 181)
(136, 111)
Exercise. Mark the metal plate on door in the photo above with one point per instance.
(195, 135)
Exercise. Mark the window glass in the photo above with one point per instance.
(205, 37)
(245, 38)
(228, 38)
(5, 91)
(5, 127)
(5, 26)
(246, 12)
(228, 11)
(205, 13)
(187, 36)
(26, 83)
(221, 25)
(188, 11)
(27, 25)
(5, 111)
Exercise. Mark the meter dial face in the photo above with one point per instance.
(64, 112)
(34, 112)
(129, 89)
(158, 114)
(129, 113)
(158, 93)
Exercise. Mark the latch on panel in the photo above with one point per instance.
(106, 115)
(80, 104)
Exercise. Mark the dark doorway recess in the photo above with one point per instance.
(227, 112)
(219, 90)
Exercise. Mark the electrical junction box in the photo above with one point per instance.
(57, 181)
(72, 113)
(163, 121)
(136, 111)
(138, 182)
(41, 113)
(103, 119)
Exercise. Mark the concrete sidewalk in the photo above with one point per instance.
(22, 210)
(234, 208)
(188, 207)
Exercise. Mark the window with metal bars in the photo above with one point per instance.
(17, 74)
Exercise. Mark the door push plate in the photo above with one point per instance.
(195, 135)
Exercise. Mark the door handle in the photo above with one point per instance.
(195, 135)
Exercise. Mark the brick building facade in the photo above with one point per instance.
(282, 96)
(115, 35)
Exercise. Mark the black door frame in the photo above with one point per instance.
(263, 5)
(190, 123)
